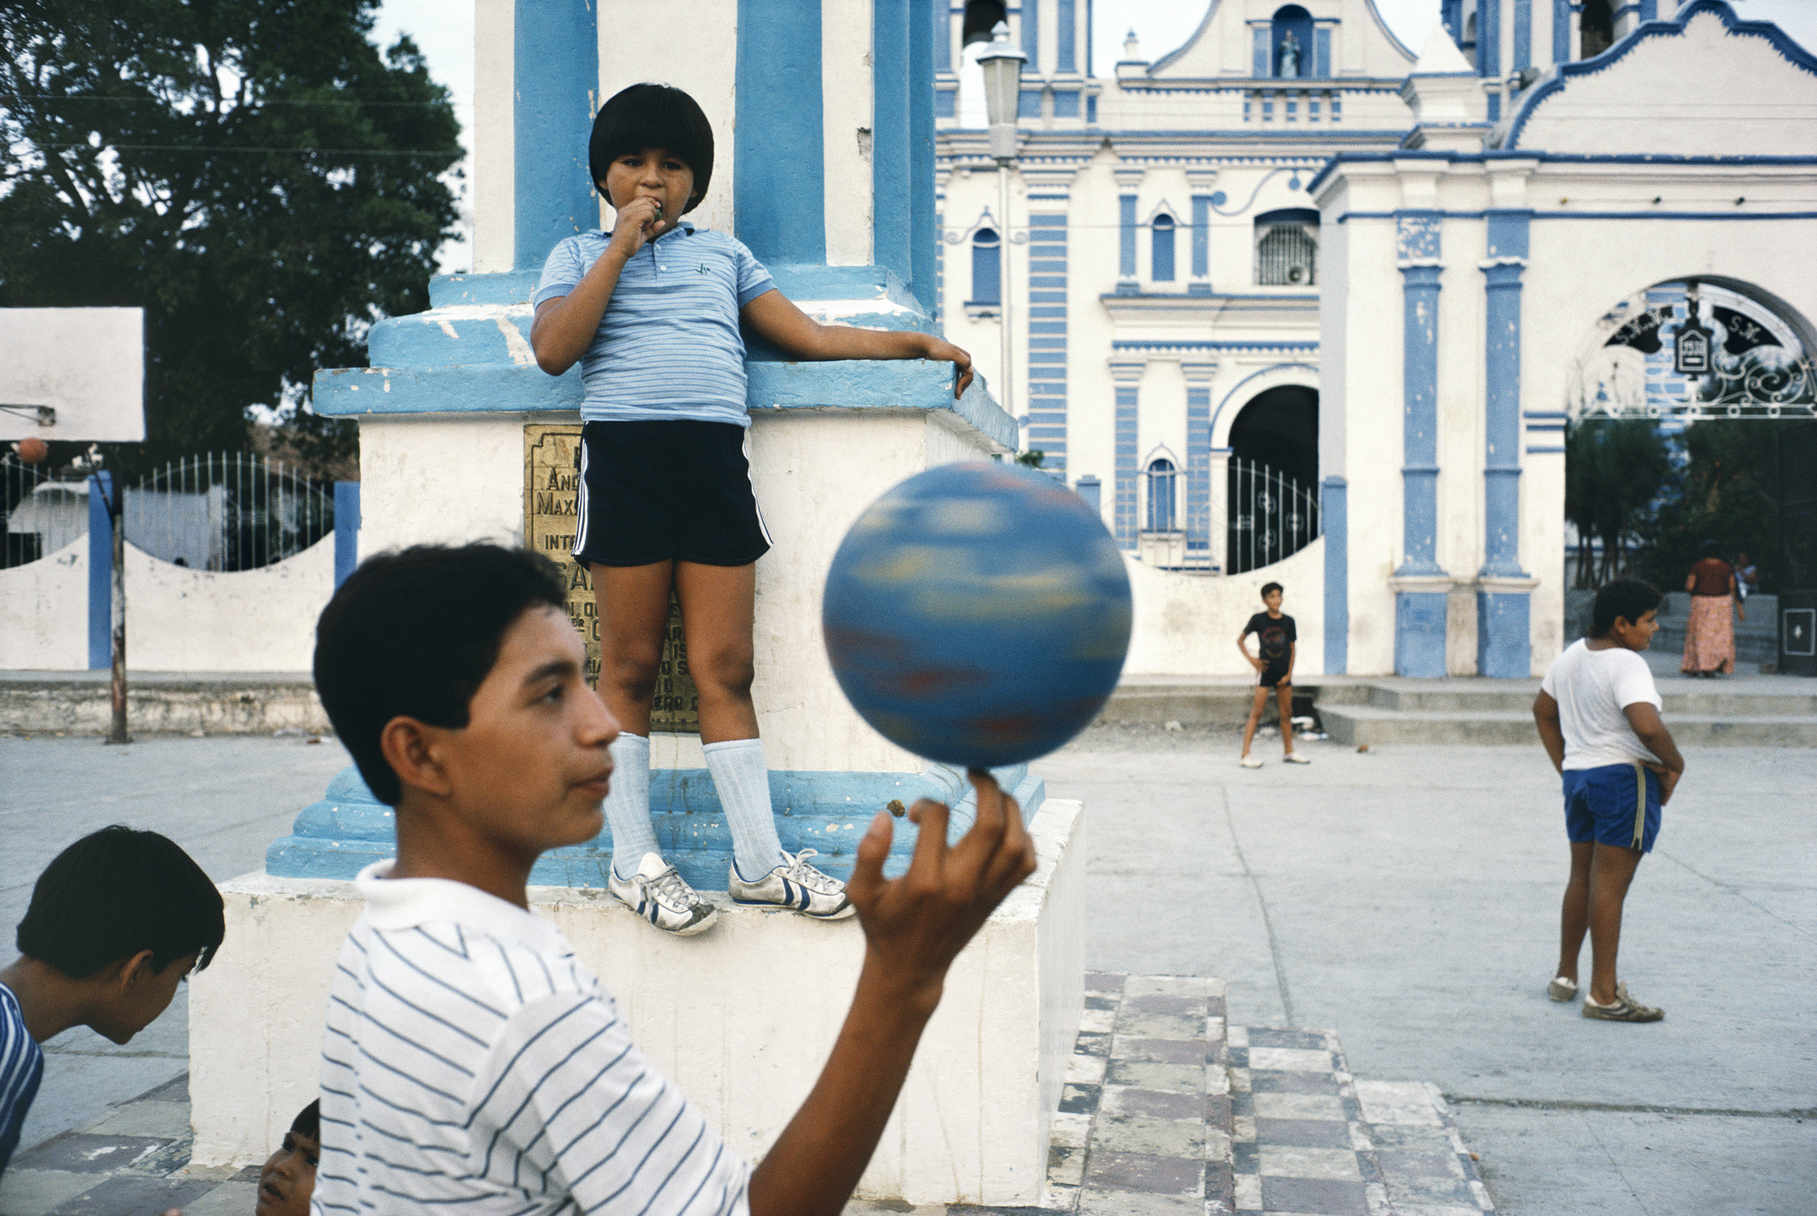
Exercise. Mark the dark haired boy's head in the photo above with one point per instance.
(117, 893)
(1626, 599)
(288, 1178)
(414, 634)
(1268, 587)
(652, 116)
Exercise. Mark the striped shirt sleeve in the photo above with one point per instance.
(21, 1066)
(753, 277)
(563, 270)
(566, 1103)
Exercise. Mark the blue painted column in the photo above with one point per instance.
(939, 21)
(924, 227)
(1421, 587)
(1648, 10)
(555, 76)
(1503, 648)
(1066, 58)
(1127, 376)
(1489, 49)
(779, 193)
(1523, 34)
(1048, 322)
(346, 529)
(1198, 456)
(100, 574)
(1334, 521)
(1561, 31)
(1031, 35)
(1126, 232)
(1200, 284)
(890, 171)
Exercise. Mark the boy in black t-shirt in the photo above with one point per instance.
(1277, 641)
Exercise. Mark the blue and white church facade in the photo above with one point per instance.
(1386, 279)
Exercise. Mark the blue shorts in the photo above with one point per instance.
(1616, 804)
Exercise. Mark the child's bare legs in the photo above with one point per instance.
(1255, 716)
(1611, 871)
(1574, 914)
(633, 607)
(1283, 695)
(718, 605)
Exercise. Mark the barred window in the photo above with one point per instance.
(1287, 248)
(987, 267)
(1160, 475)
(1162, 262)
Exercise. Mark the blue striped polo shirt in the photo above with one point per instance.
(470, 1063)
(668, 346)
(21, 1067)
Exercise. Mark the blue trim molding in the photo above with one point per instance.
(1419, 420)
(1419, 633)
(1127, 376)
(1126, 237)
(1523, 34)
(1066, 34)
(346, 529)
(1334, 522)
(779, 191)
(924, 225)
(1198, 453)
(555, 76)
(1503, 632)
(1533, 99)
(1201, 235)
(1046, 377)
(1561, 31)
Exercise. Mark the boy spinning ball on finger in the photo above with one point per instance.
(470, 1061)
(652, 312)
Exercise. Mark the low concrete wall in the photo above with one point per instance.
(179, 619)
(44, 605)
(1186, 624)
(741, 1018)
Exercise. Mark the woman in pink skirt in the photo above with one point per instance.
(1710, 631)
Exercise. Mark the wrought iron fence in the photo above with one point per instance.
(1272, 516)
(227, 511)
(36, 522)
(1287, 255)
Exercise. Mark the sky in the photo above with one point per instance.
(443, 29)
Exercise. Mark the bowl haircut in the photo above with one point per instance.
(114, 893)
(414, 634)
(652, 116)
(1628, 598)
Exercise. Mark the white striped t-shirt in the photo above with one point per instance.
(471, 1063)
(669, 345)
(21, 1067)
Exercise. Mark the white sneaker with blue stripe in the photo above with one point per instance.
(663, 897)
(794, 884)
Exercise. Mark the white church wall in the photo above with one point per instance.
(45, 607)
(1185, 623)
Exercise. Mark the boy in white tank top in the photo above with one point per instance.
(1598, 717)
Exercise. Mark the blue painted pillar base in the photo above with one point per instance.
(828, 812)
(1419, 630)
(1504, 649)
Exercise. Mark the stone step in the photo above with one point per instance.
(1369, 724)
(1708, 698)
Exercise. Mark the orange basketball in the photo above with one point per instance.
(32, 450)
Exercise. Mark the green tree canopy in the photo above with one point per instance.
(254, 174)
(1614, 472)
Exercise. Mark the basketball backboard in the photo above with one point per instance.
(72, 374)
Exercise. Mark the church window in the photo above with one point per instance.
(1160, 475)
(1287, 248)
(981, 17)
(1595, 28)
(1162, 261)
(987, 267)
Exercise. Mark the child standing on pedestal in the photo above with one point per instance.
(651, 310)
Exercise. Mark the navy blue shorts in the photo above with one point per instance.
(1615, 804)
(667, 491)
(1273, 674)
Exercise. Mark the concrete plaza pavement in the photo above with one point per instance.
(1405, 898)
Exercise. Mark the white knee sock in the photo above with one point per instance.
(743, 783)
(628, 804)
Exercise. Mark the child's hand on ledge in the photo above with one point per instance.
(939, 348)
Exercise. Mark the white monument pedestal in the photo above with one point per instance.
(742, 1018)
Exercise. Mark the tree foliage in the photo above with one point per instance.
(1614, 473)
(254, 174)
(1727, 493)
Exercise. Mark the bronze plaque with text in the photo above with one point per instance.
(551, 501)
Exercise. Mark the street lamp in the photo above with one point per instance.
(1002, 65)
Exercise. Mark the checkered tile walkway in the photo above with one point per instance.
(1165, 1110)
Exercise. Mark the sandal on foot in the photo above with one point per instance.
(1624, 1008)
(1562, 989)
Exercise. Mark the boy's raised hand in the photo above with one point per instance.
(915, 925)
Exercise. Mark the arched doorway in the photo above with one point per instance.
(1272, 477)
(1691, 420)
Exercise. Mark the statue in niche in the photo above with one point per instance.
(1290, 54)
